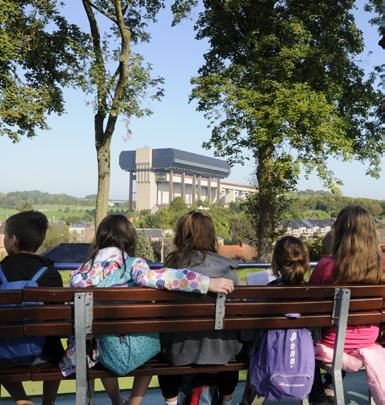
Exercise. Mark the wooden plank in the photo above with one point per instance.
(363, 304)
(121, 311)
(282, 293)
(15, 374)
(62, 329)
(11, 314)
(365, 318)
(15, 330)
(47, 372)
(163, 368)
(10, 297)
(48, 313)
(53, 294)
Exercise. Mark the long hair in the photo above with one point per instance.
(355, 247)
(194, 232)
(115, 231)
(290, 259)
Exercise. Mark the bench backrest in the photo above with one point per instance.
(122, 310)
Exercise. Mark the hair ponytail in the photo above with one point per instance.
(290, 260)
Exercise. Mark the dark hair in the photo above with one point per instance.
(116, 231)
(194, 232)
(290, 259)
(29, 228)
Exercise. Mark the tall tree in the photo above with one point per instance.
(40, 52)
(280, 81)
(119, 77)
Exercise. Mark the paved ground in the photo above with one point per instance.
(356, 393)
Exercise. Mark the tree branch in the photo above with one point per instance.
(125, 36)
(101, 74)
(110, 17)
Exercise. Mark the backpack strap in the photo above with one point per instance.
(38, 275)
(3, 279)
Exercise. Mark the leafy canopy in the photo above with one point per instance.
(283, 74)
(40, 54)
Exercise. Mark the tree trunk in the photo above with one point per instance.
(103, 156)
(265, 202)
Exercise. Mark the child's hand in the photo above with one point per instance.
(221, 285)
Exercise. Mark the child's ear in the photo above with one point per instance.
(11, 244)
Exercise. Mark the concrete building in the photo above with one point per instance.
(163, 174)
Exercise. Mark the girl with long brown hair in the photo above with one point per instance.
(196, 247)
(355, 260)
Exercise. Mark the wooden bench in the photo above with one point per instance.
(88, 312)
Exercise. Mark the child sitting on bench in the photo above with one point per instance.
(24, 234)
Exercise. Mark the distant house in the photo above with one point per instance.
(307, 229)
(81, 231)
(245, 252)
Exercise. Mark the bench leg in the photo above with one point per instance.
(305, 401)
(91, 392)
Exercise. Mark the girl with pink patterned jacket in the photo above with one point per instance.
(114, 244)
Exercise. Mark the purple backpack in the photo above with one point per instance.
(282, 367)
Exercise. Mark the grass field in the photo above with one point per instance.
(52, 211)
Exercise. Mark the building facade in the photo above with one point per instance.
(163, 174)
(307, 229)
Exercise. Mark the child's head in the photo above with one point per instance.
(290, 259)
(25, 231)
(355, 247)
(194, 232)
(116, 231)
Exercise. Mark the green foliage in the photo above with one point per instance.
(18, 198)
(279, 81)
(315, 248)
(178, 205)
(56, 233)
(323, 205)
(144, 248)
(242, 229)
(40, 53)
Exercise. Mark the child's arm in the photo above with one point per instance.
(178, 279)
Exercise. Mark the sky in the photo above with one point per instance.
(63, 159)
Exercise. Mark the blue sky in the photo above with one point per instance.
(63, 159)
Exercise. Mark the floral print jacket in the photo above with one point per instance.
(109, 262)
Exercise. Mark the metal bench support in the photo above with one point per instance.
(341, 313)
(83, 304)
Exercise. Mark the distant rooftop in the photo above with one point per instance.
(167, 159)
(151, 233)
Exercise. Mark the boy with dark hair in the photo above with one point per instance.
(24, 234)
